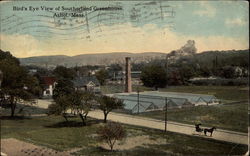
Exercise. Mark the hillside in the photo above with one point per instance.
(90, 59)
(207, 58)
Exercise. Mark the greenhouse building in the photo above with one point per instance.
(155, 100)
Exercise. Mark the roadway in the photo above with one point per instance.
(219, 134)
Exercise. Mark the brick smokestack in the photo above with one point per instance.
(128, 84)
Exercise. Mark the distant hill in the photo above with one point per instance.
(228, 57)
(90, 59)
(223, 58)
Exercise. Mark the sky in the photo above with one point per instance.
(27, 29)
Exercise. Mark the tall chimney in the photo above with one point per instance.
(128, 85)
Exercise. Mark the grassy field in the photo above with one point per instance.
(231, 117)
(231, 93)
(23, 110)
(54, 133)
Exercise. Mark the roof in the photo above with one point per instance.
(133, 105)
(83, 81)
(178, 101)
(158, 99)
(48, 80)
(189, 96)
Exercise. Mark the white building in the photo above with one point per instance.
(49, 85)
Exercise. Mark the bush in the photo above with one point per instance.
(111, 132)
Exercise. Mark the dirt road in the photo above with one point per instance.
(223, 135)
(219, 134)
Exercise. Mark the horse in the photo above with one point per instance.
(197, 128)
(209, 130)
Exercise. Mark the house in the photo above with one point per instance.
(87, 83)
(49, 85)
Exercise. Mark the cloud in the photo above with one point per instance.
(235, 22)
(20, 45)
(148, 38)
(206, 9)
(221, 43)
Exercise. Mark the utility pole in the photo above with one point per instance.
(166, 108)
(138, 101)
(167, 69)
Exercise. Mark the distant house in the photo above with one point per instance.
(49, 85)
(87, 83)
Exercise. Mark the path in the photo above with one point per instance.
(223, 135)
(219, 134)
(14, 147)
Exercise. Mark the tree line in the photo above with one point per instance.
(178, 71)
(17, 85)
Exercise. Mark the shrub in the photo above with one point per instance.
(111, 132)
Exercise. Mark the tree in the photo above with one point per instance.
(62, 72)
(63, 87)
(78, 101)
(102, 75)
(228, 72)
(186, 72)
(154, 76)
(88, 98)
(17, 85)
(81, 102)
(110, 133)
(115, 68)
(107, 104)
(60, 106)
(62, 97)
(174, 77)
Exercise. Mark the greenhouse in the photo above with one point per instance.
(155, 100)
(144, 106)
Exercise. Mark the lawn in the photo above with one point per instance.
(54, 132)
(23, 110)
(231, 93)
(231, 117)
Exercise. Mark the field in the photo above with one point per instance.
(231, 117)
(53, 132)
(225, 93)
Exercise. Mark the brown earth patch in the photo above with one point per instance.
(132, 142)
(14, 147)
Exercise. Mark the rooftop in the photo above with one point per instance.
(49, 80)
(83, 81)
